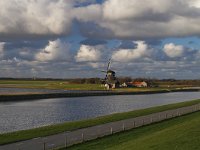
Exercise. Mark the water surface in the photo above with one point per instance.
(29, 114)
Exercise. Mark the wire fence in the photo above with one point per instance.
(78, 136)
(129, 124)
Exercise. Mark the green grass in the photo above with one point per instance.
(49, 85)
(49, 130)
(69, 86)
(182, 133)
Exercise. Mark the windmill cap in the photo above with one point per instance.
(110, 71)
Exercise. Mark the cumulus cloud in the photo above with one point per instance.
(88, 53)
(54, 51)
(34, 18)
(173, 51)
(133, 19)
(126, 55)
(127, 19)
(180, 53)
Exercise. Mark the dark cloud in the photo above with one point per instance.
(36, 44)
(154, 42)
(93, 42)
(93, 30)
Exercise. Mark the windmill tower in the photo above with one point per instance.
(110, 79)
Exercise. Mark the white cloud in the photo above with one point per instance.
(54, 51)
(134, 19)
(173, 51)
(96, 65)
(131, 19)
(194, 3)
(134, 9)
(89, 53)
(88, 13)
(34, 17)
(126, 55)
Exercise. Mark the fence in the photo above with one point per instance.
(78, 136)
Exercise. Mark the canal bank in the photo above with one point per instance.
(24, 97)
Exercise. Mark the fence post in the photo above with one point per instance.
(111, 130)
(44, 146)
(151, 119)
(82, 137)
(133, 124)
(159, 116)
(66, 141)
(123, 127)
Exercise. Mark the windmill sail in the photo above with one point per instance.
(109, 62)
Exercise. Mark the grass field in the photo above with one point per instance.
(182, 133)
(48, 85)
(69, 86)
(49, 130)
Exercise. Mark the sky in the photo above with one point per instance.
(76, 38)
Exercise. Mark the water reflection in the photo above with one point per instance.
(24, 115)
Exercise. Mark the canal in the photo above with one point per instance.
(23, 115)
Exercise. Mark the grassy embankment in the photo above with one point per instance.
(49, 130)
(182, 133)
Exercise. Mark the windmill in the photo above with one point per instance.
(110, 79)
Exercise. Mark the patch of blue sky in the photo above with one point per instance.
(75, 38)
(113, 44)
(89, 2)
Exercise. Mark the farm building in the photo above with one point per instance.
(135, 84)
(140, 84)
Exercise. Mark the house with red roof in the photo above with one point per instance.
(135, 84)
(140, 84)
